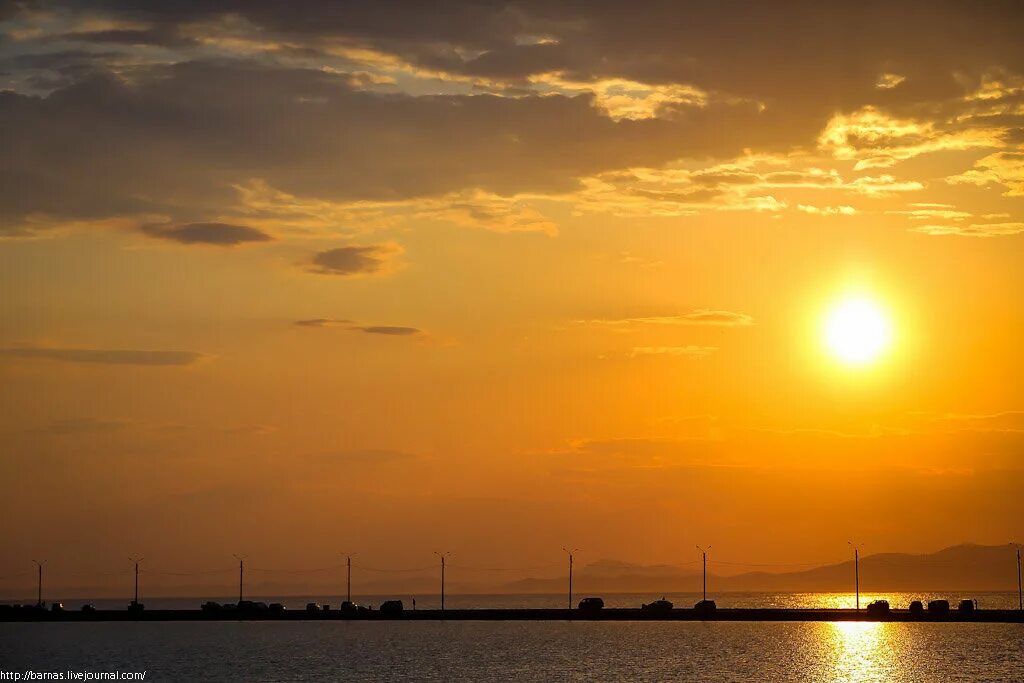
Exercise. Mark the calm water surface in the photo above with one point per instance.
(523, 651)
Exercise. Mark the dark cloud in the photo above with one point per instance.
(9, 8)
(159, 36)
(81, 425)
(178, 139)
(61, 59)
(389, 330)
(48, 71)
(220, 234)
(104, 356)
(323, 322)
(399, 21)
(803, 49)
(353, 261)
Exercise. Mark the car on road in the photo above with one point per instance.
(392, 606)
(662, 605)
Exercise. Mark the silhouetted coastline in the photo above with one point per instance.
(257, 613)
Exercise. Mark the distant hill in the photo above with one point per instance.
(961, 567)
(965, 566)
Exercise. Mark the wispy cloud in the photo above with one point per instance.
(81, 425)
(843, 210)
(391, 330)
(923, 212)
(876, 139)
(690, 351)
(888, 81)
(104, 356)
(1001, 168)
(701, 316)
(387, 330)
(324, 322)
(215, 234)
(972, 230)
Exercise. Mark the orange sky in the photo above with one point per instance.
(401, 277)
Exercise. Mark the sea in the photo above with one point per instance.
(524, 651)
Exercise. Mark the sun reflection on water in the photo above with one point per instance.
(849, 600)
(861, 651)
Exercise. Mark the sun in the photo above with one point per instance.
(857, 330)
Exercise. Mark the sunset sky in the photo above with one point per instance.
(290, 279)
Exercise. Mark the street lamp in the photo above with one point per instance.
(570, 553)
(136, 560)
(39, 590)
(348, 582)
(241, 575)
(704, 553)
(442, 556)
(856, 569)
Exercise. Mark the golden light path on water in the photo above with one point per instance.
(861, 650)
(849, 600)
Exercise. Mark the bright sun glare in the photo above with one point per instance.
(857, 330)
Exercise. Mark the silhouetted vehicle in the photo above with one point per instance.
(348, 607)
(662, 605)
(391, 606)
(210, 606)
(916, 607)
(136, 606)
(938, 606)
(705, 606)
(878, 608)
(966, 606)
(57, 607)
(88, 607)
(326, 607)
(276, 607)
(229, 607)
(312, 607)
(591, 604)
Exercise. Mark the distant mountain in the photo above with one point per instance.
(961, 567)
(967, 566)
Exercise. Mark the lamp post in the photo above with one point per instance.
(856, 570)
(1020, 593)
(136, 561)
(39, 585)
(570, 554)
(348, 581)
(704, 554)
(442, 556)
(241, 575)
